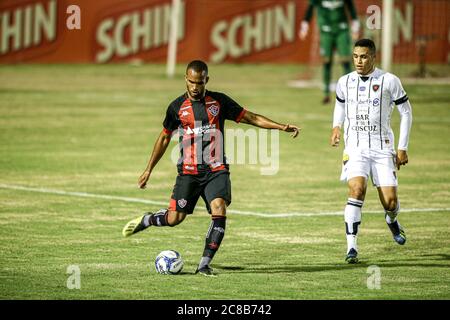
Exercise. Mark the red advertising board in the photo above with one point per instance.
(213, 30)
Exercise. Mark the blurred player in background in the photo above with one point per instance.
(365, 99)
(334, 34)
(199, 116)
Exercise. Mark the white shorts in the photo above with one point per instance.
(379, 165)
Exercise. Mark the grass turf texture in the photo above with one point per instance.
(84, 128)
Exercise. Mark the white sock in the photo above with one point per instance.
(146, 220)
(205, 261)
(352, 217)
(351, 242)
(391, 216)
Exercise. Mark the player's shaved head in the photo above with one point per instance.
(367, 43)
(196, 79)
(197, 66)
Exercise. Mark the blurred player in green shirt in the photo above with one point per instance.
(334, 34)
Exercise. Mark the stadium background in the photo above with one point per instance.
(79, 112)
(237, 31)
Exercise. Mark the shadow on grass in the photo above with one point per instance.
(187, 272)
(291, 268)
(422, 261)
(438, 256)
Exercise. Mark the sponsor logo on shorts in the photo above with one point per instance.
(182, 203)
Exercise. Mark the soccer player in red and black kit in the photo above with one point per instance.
(199, 116)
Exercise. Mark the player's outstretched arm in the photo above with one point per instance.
(263, 122)
(159, 149)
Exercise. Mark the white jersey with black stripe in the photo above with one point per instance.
(364, 106)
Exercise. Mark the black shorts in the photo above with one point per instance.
(208, 185)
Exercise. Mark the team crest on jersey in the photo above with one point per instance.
(214, 110)
(375, 87)
(182, 203)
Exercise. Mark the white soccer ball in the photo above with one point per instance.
(169, 262)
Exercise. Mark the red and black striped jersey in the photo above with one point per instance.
(200, 125)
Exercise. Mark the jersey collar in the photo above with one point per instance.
(374, 73)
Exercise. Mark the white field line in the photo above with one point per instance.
(239, 212)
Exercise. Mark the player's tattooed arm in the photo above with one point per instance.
(266, 123)
(159, 149)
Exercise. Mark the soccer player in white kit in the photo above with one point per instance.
(365, 99)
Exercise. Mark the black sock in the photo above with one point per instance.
(157, 219)
(214, 236)
(326, 78)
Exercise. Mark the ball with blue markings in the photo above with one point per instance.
(169, 262)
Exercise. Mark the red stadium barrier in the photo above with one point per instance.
(212, 30)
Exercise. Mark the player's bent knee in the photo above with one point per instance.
(175, 218)
(219, 211)
(218, 207)
(391, 204)
(357, 192)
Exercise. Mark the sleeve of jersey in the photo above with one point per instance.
(352, 9)
(170, 122)
(232, 110)
(339, 107)
(400, 99)
(309, 12)
(397, 92)
(405, 124)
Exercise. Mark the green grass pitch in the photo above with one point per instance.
(90, 129)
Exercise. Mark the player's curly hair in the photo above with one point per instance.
(197, 66)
